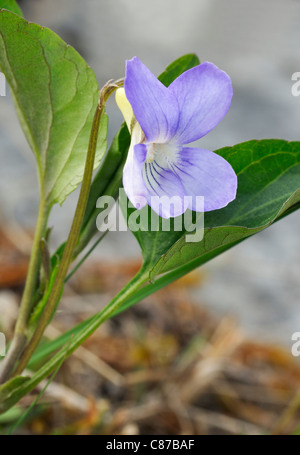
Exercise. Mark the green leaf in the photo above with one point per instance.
(55, 94)
(268, 185)
(178, 67)
(11, 5)
(153, 243)
(47, 348)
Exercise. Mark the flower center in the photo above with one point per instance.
(163, 154)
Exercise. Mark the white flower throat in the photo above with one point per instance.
(163, 154)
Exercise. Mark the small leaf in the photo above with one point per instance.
(178, 67)
(55, 94)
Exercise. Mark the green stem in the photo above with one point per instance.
(33, 271)
(20, 338)
(74, 231)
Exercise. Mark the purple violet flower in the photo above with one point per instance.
(161, 121)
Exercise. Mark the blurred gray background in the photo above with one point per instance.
(257, 43)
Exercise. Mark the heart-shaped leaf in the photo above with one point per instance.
(55, 94)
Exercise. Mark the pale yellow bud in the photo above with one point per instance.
(125, 108)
